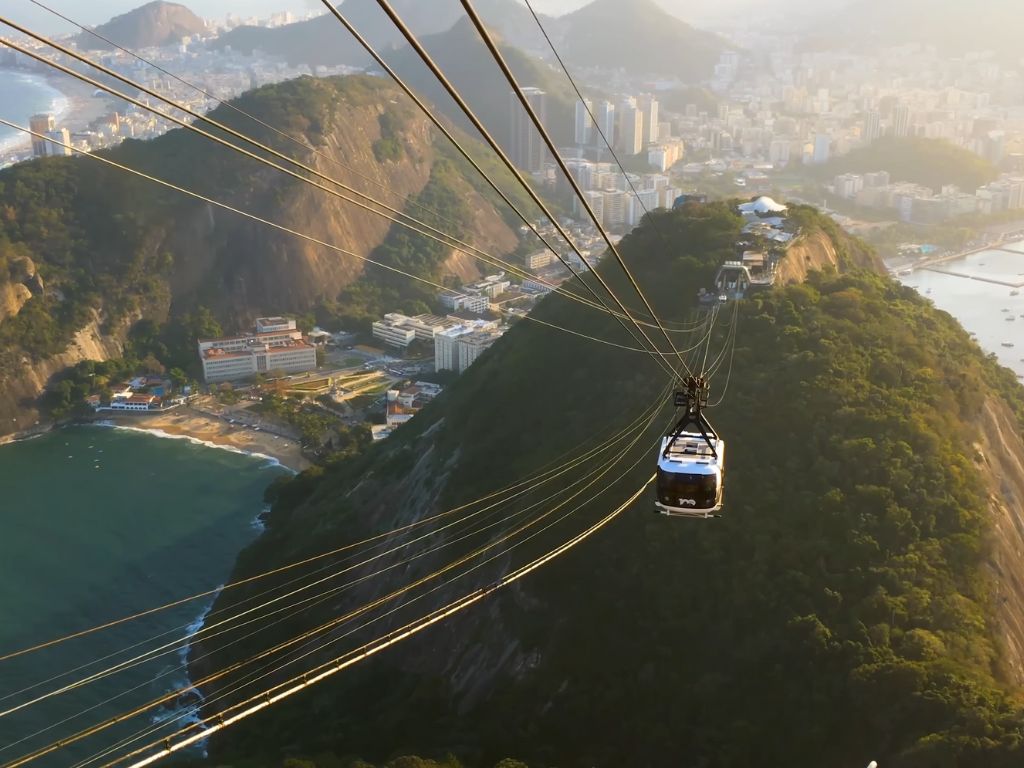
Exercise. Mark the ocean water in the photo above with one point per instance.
(983, 308)
(97, 523)
(22, 95)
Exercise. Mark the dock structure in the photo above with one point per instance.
(979, 278)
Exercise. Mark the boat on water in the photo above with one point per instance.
(1007, 343)
(1015, 293)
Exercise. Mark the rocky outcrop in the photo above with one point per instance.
(808, 253)
(19, 406)
(24, 282)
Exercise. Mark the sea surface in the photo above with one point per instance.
(983, 308)
(22, 95)
(97, 523)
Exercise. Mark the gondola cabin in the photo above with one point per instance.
(690, 475)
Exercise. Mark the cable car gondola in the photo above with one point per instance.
(692, 460)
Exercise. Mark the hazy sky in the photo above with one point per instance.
(97, 11)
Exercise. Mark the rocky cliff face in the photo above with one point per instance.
(246, 268)
(21, 388)
(21, 282)
(1000, 460)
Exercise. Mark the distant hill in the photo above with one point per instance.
(953, 28)
(467, 63)
(639, 37)
(153, 24)
(323, 40)
(931, 162)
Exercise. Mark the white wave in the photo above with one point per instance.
(271, 462)
(258, 523)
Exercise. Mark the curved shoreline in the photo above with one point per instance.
(59, 105)
(195, 427)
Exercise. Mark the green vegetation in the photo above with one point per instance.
(316, 426)
(388, 148)
(929, 162)
(837, 613)
(69, 217)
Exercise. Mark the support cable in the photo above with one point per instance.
(501, 154)
(391, 214)
(507, 71)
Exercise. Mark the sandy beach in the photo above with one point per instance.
(75, 108)
(82, 105)
(188, 422)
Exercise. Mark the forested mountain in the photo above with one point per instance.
(112, 248)
(930, 162)
(153, 24)
(840, 611)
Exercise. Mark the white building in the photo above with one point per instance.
(456, 348)
(583, 128)
(538, 260)
(393, 334)
(278, 347)
(395, 327)
(648, 106)
(606, 120)
(631, 129)
(822, 148)
(455, 301)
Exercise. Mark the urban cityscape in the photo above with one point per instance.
(512, 383)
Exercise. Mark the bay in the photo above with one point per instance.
(987, 309)
(95, 524)
(23, 94)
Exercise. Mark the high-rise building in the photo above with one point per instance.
(583, 127)
(901, 121)
(527, 148)
(631, 125)
(44, 124)
(606, 121)
(822, 148)
(648, 106)
(59, 144)
(872, 126)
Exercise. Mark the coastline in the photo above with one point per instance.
(74, 106)
(185, 423)
(189, 424)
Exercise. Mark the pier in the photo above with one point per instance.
(975, 277)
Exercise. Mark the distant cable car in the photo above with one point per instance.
(692, 460)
